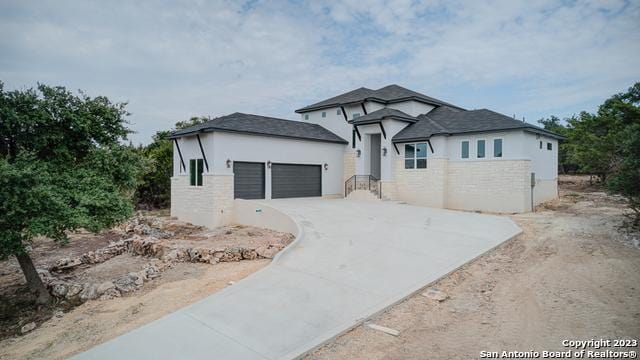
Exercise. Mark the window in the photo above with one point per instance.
(497, 148)
(306, 116)
(355, 115)
(549, 146)
(540, 144)
(324, 114)
(415, 156)
(195, 172)
(338, 112)
(480, 148)
(464, 151)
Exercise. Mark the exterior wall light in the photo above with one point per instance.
(326, 166)
(384, 151)
(269, 164)
(358, 153)
(228, 163)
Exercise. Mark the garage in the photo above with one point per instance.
(295, 180)
(248, 180)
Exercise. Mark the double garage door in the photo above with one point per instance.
(287, 180)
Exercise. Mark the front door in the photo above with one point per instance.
(375, 155)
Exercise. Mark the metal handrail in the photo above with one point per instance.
(363, 182)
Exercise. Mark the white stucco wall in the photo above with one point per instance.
(332, 121)
(543, 162)
(240, 147)
(413, 108)
(387, 162)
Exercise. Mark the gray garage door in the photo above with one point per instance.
(248, 180)
(294, 180)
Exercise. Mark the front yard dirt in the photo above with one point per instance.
(128, 276)
(574, 274)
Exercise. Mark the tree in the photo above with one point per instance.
(626, 179)
(155, 189)
(62, 168)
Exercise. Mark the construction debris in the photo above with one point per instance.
(435, 294)
(384, 329)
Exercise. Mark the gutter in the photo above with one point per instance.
(194, 132)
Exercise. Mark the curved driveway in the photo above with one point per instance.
(353, 260)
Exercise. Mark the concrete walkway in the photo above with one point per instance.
(353, 260)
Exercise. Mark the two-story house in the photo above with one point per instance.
(386, 144)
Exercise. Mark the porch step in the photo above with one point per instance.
(362, 195)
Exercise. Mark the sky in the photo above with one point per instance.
(171, 60)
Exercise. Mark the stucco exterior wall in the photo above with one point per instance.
(499, 185)
(426, 187)
(545, 190)
(208, 205)
(240, 147)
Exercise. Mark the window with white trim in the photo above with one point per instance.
(195, 172)
(415, 156)
(355, 115)
(497, 148)
(338, 112)
(480, 148)
(464, 149)
(324, 114)
(549, 146)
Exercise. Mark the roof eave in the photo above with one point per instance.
(373, 121)
(255, 133)
(378, 100)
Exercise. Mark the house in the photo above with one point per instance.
(390, 144)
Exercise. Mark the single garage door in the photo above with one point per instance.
(248, 180)
(294, 180)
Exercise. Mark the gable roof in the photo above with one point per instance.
(384, 113)
(262, 125)
(447, 121)
(385, 95)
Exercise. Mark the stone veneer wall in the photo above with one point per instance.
(389, 190)
(349, 163)
(426, 187)
(492, 185)
(208, 205)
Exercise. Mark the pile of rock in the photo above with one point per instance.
(76, 293)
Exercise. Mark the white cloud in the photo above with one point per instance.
(178, 60)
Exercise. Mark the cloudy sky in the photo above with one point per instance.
(176, 59)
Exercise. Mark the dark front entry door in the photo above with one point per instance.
(375, 155)
(295, 180)
(248, 180)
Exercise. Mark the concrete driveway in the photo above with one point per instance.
(353, 260)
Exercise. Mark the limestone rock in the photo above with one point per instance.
(27, 328)
(104, 287)
(125, 284)
(435, 294)
(268, 251)
(89, 292)
(59, 289)
(73, 291)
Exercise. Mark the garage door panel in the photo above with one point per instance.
(295, 180)
(248, 180)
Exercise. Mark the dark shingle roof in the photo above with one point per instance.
(263, 125)
(384, 113)
(388, 94)
(444, 120)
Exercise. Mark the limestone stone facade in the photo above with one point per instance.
(208, 205)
